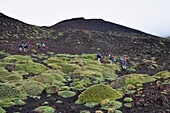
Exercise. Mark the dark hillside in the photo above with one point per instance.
(77, 36)
(96, 25)
(13, 28)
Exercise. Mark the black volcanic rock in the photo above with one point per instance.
(94, 24)
(13, 28)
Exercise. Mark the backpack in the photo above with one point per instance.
(98, 55)
(124, 59)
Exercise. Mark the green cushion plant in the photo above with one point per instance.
(97, 93)
(33, 88)
(128, 99)
(45, 109)
(162, 74)
(2, 110)
(135, 79)
(66, 94)
(91, 104)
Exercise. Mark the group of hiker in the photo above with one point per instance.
(41, 46)
(123, 60)
(24, 47)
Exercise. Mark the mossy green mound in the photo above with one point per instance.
(11, 95)
(162, 74)
(17, 59)
(24, 63)
(63, 64)
(91, 73)
(19, 102)
(2, 110)
(31, 67)
(3, 53)
(135, 79)
(45, 109)
(8, 91)
(66, 94)
(4, 72)
(6, 103)
(52, 89)
(89, 56)
(56, 60)
(110, 103)
(83, 65)
(97, 93)
(33, 88)
(68, 68)
(48, 78)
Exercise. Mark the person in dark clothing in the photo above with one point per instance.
(98, 56)
(38, 45)
(20, 47)
(111, 57)
(25, 48)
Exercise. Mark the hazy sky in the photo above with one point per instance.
(150, 16)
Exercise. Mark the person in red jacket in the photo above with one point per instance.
(124, 63)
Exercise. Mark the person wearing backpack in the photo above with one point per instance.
(121, 61)
(111, 57)
(38, 45)
(124, 63)
(20, 47)
(25, 48)
(98, 56)
(43, 46)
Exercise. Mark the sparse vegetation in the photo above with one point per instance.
(45, 109)
(42, 77)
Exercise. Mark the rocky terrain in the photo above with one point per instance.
(67, 68)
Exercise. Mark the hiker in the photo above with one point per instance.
(121, 61)
(111, 57)
(43, 46)
(98, 56)
(25, 48)
(38, 46)
(124, 63)
(20, 47)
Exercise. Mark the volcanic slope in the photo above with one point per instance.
(76, 36)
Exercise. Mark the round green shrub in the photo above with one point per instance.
(33, 88)
(138, 79)
(2, 110)
(128, 105)
(127, 99)
(6, 103)
(91, 104)
(66, 94)
(31, 67)
(162, 74)
(52, 89)
(19, 102)
(97, 93)
(8, 91)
